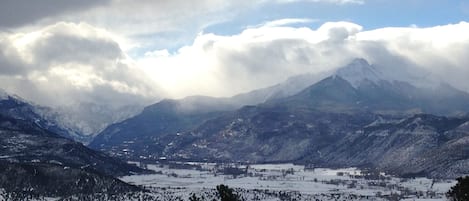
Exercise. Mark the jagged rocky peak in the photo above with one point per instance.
(358, 70)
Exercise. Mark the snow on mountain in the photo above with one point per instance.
(78, 122)
(90, 118)
(3, 94)
(360, 70)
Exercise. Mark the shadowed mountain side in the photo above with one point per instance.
(25, 141)
(51, 180)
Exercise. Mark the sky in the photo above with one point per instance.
(122, 52)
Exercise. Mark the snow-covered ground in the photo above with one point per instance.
(309, 183)
(272, 182)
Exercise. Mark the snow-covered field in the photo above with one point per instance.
(295, 180)
(270, 182)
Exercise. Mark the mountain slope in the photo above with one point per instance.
(146, 134)
(265, 134)
(326, 121)
(424, 145)
(18, 108)
(79, 122)
(34, 161)
(25, 141)
(330, 94)
(140, 136)
(317, 125)
(27, 180)
(85, 120)
(336, 94)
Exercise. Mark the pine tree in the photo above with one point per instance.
(193, 197)
(226, 194)
(459, 192)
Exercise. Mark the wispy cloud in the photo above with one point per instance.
(287, 21)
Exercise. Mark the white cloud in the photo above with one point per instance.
(255, 58)
(74, 62)
(263, 56)
(287, 21)
(146, 21)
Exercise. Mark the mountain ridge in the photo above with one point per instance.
(301, 127)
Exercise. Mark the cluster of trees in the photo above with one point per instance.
(459, 192)
(224, 192)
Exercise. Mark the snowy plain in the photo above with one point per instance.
(305, 183)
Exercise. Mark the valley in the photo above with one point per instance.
(288, 182)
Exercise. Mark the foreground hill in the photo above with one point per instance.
(26, 180)
(37, 162)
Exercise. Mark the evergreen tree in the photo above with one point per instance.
(226, 194)
(193, 197)
(459, 192)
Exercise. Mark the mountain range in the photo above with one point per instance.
(406, 123)
(353, 117)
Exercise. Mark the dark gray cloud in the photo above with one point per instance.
(59, 47)
(10, 61)
(69, 63)
(14, 13)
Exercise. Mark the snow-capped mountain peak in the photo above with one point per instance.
(358, 70)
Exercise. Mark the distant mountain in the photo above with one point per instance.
(85, 120)
(140, 136)
(337, 94)
(289, 87)
(79, 123)
(15, 107)
(359, 69)
(144, 135)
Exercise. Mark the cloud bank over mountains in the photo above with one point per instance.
(57, 59)
(259, 57)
